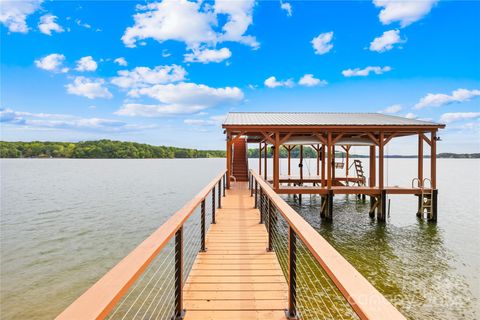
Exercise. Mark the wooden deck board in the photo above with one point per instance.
(236, 278)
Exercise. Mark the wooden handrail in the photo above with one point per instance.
(100, 299)
(365, 300)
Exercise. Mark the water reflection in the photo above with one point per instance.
(410, 265)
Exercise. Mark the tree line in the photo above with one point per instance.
(99, 149)
(132, 150)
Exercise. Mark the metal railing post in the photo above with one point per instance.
(202, 215)
(260, 203)
(219, 194)
(256, 196)
(270, 223)
(292, 274)
(213, 205)
(179, 311)
(224, 183)
(251, 185)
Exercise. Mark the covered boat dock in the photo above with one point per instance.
(326, 133)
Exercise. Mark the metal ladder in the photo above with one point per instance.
(426, 195)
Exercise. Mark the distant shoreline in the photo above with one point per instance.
(108, 149)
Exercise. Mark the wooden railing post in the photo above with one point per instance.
(219, 194)
(202, 216)
(213, 205)
(270, 224)
(179, 312)
(292, 274)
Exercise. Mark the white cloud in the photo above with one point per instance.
(309, 80)
(410, 116)
(189, 22)
(66, 122)
(47, 24)
(459, 116)
(208, 55)
(405, 12)
(80, 23)
(240, 17)
(13, 14)
(144, 76)
(272, 82)
(90, 88)
(386, 41)
(287, 7)
(171, 20)
(392, 109)
(357, 72)
(86, 64)
(440, 99)
(53, 62)
(322, 43)
(121, 61)
(180, 98)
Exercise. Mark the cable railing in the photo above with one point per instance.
(148, 283)
(321, 283)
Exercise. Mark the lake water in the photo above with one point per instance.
(65, 222)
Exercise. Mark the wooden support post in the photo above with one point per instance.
(433, 159)
(434, 210)
(381, 163)
(382, 208)
(178, 298)
(323, 165)
(420, 158)
(318, 159)
(276, 162)
(322, 207)
(229, 161)
(301, 163)
(329, 162)
(333, 162)
(371, 213)
(289, 151)
(372, 169)
(260, 158)
(265, 169)
(433, 176)
(329, 208)
(347, 161)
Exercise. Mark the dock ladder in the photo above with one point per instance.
(425, 198)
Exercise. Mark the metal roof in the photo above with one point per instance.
(320, 119)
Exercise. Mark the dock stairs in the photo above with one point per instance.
(359, 172)
(240, 159)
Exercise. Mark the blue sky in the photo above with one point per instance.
(166, 73)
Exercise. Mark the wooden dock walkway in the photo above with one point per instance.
(236, 278)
